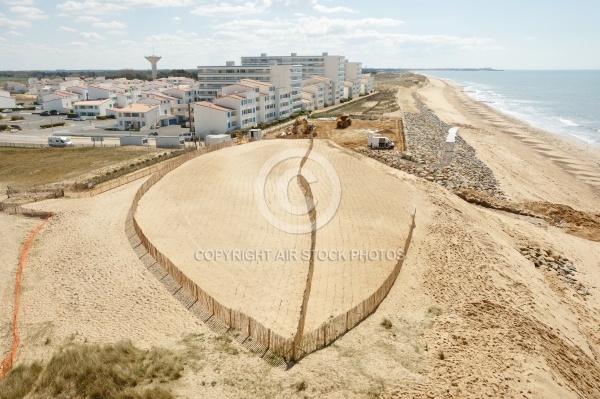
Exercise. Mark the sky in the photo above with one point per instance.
(117, 34)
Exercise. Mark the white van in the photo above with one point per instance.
(56, 141)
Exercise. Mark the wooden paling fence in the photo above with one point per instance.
(238, 320)
(16, 209)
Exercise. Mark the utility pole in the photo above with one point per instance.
(190, 115)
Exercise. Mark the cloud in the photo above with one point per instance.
(116, 32)
(14, 33)
(29, 12)
(96, 7)
(333, 10)
(176, 19)
(18, 2)
(88, 19)
(91, 36)
(531, 38)
(114, 25)
(77, 44)
(229, 10)
(12, 23)
(66, 29)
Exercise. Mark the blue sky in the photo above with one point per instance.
(116, 34)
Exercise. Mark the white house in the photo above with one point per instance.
(92, 108)
(6, 101)
(137, 116)
(327, 85)
(102, 91)
(60, 101)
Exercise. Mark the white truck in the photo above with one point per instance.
(380, 142)
(170, 142)
(133, 140)
(56, 141)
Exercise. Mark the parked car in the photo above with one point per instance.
(188, 136)
(153, 134)
(45, 113)
(7, 110)
(79, 118)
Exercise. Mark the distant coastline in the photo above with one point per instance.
(399, 70)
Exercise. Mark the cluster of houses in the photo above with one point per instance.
(224, 98)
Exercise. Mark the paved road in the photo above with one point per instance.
(80, 132)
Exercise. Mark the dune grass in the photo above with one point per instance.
(118, 371)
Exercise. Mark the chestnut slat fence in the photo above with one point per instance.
(287, 347)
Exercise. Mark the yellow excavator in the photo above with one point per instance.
(301, 126)
(343, 121)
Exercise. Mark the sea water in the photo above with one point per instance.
(562, 102)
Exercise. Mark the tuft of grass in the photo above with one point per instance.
(434, 311)
(300, 386)
(386, 323)
(116, 371)
(20, 381)
(441, 355)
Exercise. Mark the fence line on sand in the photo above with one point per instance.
(236, 319)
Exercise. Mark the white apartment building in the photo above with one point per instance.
(137, 116)
(266, 109)
(289, 77)
(325, 65)
(328, 88)
(92, 108)
(211, 79)
(316, 91)
(244, 104)
(367, 83)
(213, 119)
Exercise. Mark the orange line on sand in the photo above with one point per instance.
(8, 361)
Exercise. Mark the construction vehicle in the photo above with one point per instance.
(343, 121)
(301, 126)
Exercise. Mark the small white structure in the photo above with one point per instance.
(214, 139)
(255, 134)
(169, 142)
(133, 140)
(380, 142)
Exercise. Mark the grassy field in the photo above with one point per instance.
(23, 167)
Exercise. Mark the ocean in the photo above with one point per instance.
(562, 102)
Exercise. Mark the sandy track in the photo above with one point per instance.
(191, 209)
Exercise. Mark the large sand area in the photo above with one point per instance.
(471, 317)
(184, 212)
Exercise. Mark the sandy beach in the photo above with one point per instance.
(470, 315)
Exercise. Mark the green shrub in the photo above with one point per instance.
(16, 118)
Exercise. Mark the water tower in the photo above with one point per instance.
(153, 60)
